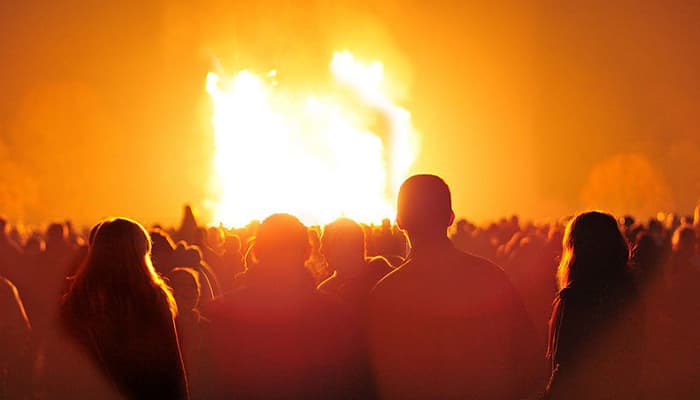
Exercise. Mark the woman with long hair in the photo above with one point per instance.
(120, 313)
(596, 332)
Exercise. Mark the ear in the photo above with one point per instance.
(452, 218)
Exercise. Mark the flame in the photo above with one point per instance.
(317, 157)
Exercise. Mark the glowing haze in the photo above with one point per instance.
(318, 156)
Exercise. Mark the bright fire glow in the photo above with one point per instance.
(319, 157)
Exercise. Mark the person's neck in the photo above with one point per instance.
(425, 241)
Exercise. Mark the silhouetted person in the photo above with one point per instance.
(188, 230)
(316, 263)
(447, 324)
(596, 338)
(215, 239)
(660, 360)
(661, 237)
(190, 326)
(354, 275)
(191, 257)
(683, 309)
(10, 257)
(59, 260)
(531, 269)
(683, 256)
(32, 257)
(15, 361)
(44, 291)
(388, 242)
(163, 251)
(646, 261)
(384, 238)
(16, 236)
(210, 257)
(277, 337)
(231, 262)
(120, 313)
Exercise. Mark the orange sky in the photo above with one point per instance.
(523, 108)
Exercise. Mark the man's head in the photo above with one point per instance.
(282, 241)
(425, 206)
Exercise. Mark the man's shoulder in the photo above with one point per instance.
(394, 277)
(476, 264)
(479, 272)
(449, 269)
(459, 265)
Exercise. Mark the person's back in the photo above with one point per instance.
(599, 339)
(190, 324)
(277, 337)
(447, 324)
(596, 336)
(684, 264)
(274, 349)
(682, 308)
(120, 314)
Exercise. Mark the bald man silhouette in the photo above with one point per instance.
(447, 324)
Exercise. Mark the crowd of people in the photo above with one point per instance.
(591, 306)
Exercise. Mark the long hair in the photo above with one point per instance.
(594, 343)
(117, 281)
(595, 252)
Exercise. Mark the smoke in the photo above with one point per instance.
(18, 190)
(104, 112)
(627, 184)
